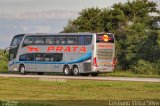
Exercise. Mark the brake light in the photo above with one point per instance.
(95, 62)
(114, 62)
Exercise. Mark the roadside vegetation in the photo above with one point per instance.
(137, 33)
(46, 92)
(3, 61)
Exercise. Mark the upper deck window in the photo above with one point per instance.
(71, 40)
(88, 40)
(49, 40)
(39, 40)
(60, 40)
(29, 40)
(81, 40)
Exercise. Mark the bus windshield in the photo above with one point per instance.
(105, 38)
(16, 40)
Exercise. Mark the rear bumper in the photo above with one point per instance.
(103, 69)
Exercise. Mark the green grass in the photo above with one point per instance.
(129, 74)
(35, 91)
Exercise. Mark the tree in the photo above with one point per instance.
(136, 31)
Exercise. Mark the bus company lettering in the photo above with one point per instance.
(59, 49)
(105, 46)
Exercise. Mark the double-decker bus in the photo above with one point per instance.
(70, 53)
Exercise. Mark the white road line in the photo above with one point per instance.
(84, 78)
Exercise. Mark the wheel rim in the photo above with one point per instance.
(66, 71)
(76, 71)
(22, 70)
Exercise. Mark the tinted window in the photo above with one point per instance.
(61, 40)
(49, 57)
(23, 57)
(39, 40)
(81, 40)
(28, 41)
(39, 57)
(16, 41)
(71, 40)
(105, 38)
(58, 57)
(88, 40)
(30, 57)
(50, 40)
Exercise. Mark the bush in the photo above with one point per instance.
(144, 67)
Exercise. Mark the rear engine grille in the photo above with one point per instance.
(104, 54)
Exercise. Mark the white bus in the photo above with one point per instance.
(71, 53)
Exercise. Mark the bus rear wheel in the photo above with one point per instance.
(66, 71)
(75, 71)
(22, 70)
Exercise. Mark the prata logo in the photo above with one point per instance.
(105, 38)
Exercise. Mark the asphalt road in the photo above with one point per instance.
(83, 78)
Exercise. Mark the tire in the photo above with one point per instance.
(75, 71)
(22, 70)
(67, 71)
(94, 74)
(40, 73)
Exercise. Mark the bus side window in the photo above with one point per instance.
(60, 40)
(30, 57)
(28, 41)
(88, 40)
(50, 40)
(58, 57)
(39, 57)
(71, 40)
(23, 57)
(81, 40)
(48, 57)
(39, 40)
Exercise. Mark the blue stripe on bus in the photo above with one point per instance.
(81, 59)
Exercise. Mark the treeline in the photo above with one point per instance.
(136, 25)
(3, 60)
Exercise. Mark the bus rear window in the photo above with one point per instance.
(105, 38)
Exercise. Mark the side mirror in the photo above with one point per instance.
(8, 48)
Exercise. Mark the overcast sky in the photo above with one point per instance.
(41, 16)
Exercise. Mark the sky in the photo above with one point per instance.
(42, 16)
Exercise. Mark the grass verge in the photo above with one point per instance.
(60, 92)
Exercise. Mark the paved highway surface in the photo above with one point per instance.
(106, 78)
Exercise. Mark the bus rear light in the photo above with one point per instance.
(95, 62)
(114, 61)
